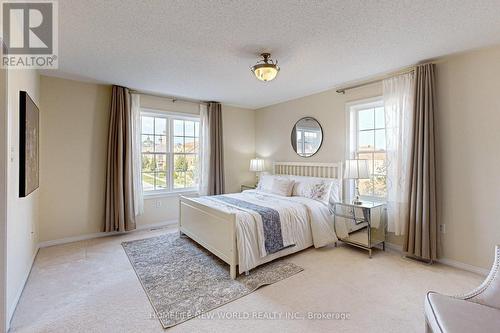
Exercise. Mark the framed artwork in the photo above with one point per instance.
(28, 145)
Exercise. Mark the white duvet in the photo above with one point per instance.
(304, 222)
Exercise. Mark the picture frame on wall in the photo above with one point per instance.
(29, 143)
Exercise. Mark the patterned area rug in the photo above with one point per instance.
(183, 280)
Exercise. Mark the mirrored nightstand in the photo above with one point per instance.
(365, 224)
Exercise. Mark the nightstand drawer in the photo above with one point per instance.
(350, 212)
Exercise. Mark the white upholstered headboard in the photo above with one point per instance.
(310, 169)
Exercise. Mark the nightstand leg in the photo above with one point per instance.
(370, 253)
(383, 246)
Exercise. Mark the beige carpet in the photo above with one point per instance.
(90, 286)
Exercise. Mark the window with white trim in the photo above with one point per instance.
(308, 140)
(170, 152)
(367, 141)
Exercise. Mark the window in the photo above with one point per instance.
(308, 141)
(170, 152)
(367, 141)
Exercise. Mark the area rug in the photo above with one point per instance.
(183, 280)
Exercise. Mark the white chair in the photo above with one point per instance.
(477, 311)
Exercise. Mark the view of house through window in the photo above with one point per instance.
(170, 152)
(367, 141)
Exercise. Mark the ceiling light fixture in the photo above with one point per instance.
(265, 69)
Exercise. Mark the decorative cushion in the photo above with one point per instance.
(322, 189)
(318, 190)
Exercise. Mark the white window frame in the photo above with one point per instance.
(353, 136)
(302, 149)
(169, 116)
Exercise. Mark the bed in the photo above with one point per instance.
(231, 226)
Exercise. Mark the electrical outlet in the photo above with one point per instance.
(158, 203)
(442, 228)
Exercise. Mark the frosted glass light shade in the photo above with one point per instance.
(265, 69)
(356, 169)
(266, 73)
(257, 165)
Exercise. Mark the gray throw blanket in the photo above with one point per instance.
(273, 238)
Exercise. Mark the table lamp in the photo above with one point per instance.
(356, 169)
(257, 166)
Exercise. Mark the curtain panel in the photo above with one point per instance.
(137, 154)
(216, 183)
(421, 238)
(120, 211)
(204, 150)
(399, 96)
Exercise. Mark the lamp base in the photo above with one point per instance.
(356, 201)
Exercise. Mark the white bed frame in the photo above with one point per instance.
(216, 230)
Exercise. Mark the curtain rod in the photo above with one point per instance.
(173, 99)
(406, 70)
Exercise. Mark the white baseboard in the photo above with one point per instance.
(13, 306)
(67, 240)
(465, 267)
(445, 261)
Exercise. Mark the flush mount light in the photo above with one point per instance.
(265, 69)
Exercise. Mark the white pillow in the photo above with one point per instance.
(322, 189)
(265, 183)
(276, 185)
(282, 186)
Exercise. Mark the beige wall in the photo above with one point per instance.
(73, 156)
(274, 124)
(3, 195)
(239, 146)
(468, 123)
(22, 213)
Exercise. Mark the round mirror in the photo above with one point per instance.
(307, 136)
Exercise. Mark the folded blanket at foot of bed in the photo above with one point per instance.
(271, 223)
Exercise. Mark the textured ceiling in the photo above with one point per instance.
(203, 49)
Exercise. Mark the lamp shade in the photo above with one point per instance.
(257, 165)
(356, 169)
(266, 69)
(266, 73)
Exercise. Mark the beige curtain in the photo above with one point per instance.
(216, 184)
(421, 239)
(119, 172)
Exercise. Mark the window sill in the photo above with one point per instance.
(158, 195)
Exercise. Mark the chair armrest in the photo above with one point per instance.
(488, 293)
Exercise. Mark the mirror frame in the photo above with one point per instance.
(322, 136)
